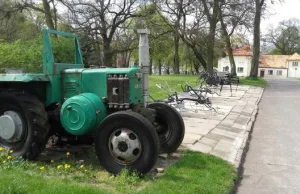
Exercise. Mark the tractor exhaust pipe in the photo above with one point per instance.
(144, 60)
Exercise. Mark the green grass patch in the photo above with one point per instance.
(259, 82)
(193, 173)
(173, 81)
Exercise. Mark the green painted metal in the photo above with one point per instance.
(76, 81)
(49, 65)
(23, 77)
(82, 114)
(53, 70)
(80, 91)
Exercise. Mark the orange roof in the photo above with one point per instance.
(273, 61)
(243, 51)
(294, 57)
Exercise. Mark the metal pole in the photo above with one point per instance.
(144, 59)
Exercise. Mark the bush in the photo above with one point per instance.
(27, 54)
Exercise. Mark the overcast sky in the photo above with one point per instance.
(281, 11)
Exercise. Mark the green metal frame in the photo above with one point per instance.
(49, 65)
(52, 69)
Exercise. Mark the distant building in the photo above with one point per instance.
(242, 57)
(280, 66)
(273, 65)
(293, 65)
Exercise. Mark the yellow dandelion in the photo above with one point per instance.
(11, 151)
(81, 166)
(59, 166)
(4, 161)
(42, 168)
(1, 148)
(68, 153)
(67, 166)
(8, 157)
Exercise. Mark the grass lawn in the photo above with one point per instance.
(192, 173)
(253, 81)
(173, 81)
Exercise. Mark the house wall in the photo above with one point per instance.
(240, 61)
(275, 70)
(294, 71)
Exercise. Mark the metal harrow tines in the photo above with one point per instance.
(185, 102)
(201, 90)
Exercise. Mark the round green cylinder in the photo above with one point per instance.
(82, 114)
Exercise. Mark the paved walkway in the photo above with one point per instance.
(225, 133)
(272, 163)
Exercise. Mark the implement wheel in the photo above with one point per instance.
(169, 125)
(126, 139)
(24, 124)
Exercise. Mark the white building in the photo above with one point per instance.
(279, 66)
(293, 63)
(242, 58)
(273, 66)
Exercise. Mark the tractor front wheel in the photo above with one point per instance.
(24, 123)
(169, 125)
(126, 139)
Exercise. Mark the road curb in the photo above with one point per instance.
(245, 147)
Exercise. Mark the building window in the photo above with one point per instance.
(295, 63)
(270, 72)
(226, 69)
(240, 69)
(279, 72)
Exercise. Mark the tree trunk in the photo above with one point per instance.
(228, 47)
(168, 70)
(196, 67)
(150, 66)
(211, 38)
(159, 67)
(48, 16)
(256, 39)
(176, 54)
(107, 55)
(195, 51)
(199, 57)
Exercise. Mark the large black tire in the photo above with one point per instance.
(169, 125)
(135, 130)
(34, 120)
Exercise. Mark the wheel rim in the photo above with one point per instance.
(11, 126)
(125, 146)
(163, 130)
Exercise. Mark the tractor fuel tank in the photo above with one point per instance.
(82, 113)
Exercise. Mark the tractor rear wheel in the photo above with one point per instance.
(169, 125)
(24, 123)
(126, 139)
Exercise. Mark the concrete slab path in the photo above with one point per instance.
(224, 133)
(272, 164)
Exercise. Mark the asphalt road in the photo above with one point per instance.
(272, 163)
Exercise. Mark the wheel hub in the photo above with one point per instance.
(122, 146)
(11, 127)
(125, 146)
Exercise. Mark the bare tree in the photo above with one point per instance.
(102, 18)
(48, 8)
(187, 20)
(232, 15)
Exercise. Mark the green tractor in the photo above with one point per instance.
(107, 104)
